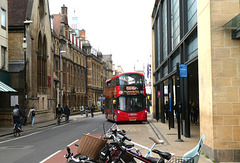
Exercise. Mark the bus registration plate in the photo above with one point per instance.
(132, 119)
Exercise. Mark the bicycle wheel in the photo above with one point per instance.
(84, 158)
(15, 130)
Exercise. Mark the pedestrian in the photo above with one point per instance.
(92, 110)
(86, 110)
(59, 112)
(166, 108)
(190, 105)
(81, 110)
(102, 108)
(32, 113)
(67, 113)
(195, 113)
(17, 114)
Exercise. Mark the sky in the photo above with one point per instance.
(118, 27)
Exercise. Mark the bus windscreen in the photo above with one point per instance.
(131, 103)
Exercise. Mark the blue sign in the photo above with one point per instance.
(183, 70)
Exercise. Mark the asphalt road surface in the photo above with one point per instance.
(45, 143)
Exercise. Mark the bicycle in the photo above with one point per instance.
(16, 131)
(59, 117)
(116, 150)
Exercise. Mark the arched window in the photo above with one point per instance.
(42, 63)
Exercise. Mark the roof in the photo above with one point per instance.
(57, 23)
(17, 12)
(126, 73)
(5, 88)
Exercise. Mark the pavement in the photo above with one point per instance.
(160, 129)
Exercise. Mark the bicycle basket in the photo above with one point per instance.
(91, 146)
(179, 159)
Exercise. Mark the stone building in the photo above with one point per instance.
(195, 34)
(69, 63)
(30, 56)
(107, 59)
(95, 74)
(82, 76)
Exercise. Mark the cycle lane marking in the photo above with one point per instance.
(24, 136)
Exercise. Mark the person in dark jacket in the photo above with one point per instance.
(59, 112)
(86, 110)
(17, 114)
(67, 113)
(92, 110)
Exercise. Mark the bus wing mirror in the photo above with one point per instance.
(114, 102)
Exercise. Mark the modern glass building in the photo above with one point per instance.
(175, 42)
(197, 58)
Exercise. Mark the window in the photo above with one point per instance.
(192, 13)
(131, 103)
(175, 23)
(2, 59)
(3, 18)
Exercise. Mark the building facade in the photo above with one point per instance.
(69, 63)
(30, 57)
(95, 75)
(80, 73)
(190, 34)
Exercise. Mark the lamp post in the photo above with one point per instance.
(61, 89)
(26, 24)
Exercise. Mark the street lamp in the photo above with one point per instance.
(61, 89)
(26, 24)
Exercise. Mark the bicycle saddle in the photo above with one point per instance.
(129, 145)
(164, 155)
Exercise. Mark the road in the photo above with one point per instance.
(43, 144)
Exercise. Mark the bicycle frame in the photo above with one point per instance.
(135, 155)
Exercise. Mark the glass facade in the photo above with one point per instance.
(175, 32)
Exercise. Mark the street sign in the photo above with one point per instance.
(183, 70)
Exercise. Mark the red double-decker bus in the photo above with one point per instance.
(125, 98)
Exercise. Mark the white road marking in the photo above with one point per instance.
(72, 143)
(50, 156)
(20, 137)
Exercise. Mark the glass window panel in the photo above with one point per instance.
(3, 18)
(165, 70)
(164, 22)
(175, 23)
(158, 37)
(175, 61)
(192, 49)
(192, 13)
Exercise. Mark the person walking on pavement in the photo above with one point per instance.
(17, 114)
(166, 109)
(67, 113)
(59, 112)
(32, 113)
(92, 110)
(86, 110)
(81, 110)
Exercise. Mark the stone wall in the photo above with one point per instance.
(219, 80)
